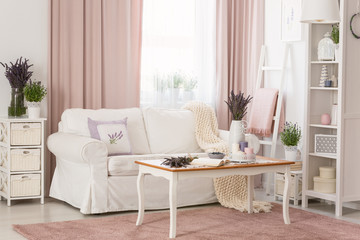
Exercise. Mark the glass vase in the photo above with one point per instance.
(17, 107)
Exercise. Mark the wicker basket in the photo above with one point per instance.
(25, 159)
(25, 185)
(280, 184)
(25, 134)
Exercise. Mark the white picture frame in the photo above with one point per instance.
(291, 28)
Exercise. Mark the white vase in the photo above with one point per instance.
(237, 132)
(33, 110)
(290, 153)
(334, 114)
(337, 53)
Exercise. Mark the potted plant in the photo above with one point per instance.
(238, 108)
(34, 94)
(176, 82)
(335, 36)
(290, 137)
(189, 86)
(18, 75)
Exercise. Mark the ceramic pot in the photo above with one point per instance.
(237, 132)
(290, 153)
(34, 110)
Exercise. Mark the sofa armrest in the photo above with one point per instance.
(224, 135)
(76, 148)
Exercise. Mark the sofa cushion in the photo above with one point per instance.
(113, 133)
(170, 130)
(75, 121)
(125, 165)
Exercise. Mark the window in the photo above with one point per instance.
(178, 52)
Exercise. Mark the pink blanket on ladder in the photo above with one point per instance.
(263, 111)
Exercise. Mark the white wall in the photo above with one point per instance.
(294, 94)
(24, 32)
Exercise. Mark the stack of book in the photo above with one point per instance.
(296, 167)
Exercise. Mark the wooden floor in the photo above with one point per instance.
(31, 211)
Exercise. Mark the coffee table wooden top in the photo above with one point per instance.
(260, 162)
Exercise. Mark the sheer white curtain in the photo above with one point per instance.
(178, 52)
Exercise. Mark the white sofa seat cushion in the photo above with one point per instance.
(170, 130)
(75, 121)
(125, 165)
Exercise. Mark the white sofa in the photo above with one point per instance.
(87, 178)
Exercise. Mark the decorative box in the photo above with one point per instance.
(25, 133)
(25, 159)
(324, 185)
(327, 172)
(25, 185)
(325, 143)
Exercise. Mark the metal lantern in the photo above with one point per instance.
(326, 48)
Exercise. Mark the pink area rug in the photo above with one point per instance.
(205, 223)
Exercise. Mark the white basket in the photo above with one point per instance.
(25, 159)
(25, 134)
(280, 184)
(25, 185)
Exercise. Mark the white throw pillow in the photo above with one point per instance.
(113, 133)
(170, 130)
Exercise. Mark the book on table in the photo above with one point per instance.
(209, 162)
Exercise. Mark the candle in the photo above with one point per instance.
(249, 150)
(243, 145)
(235, 148)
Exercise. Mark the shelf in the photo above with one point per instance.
(324, 126)
(326, 196)
(324, 88)
(324, 62)
(25, 172)
(324, 155)
(27, 147)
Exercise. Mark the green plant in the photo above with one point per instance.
(34, 92)
(190, 84)
(178, 79)
(335, 33)
(238, 105)
(291, 134)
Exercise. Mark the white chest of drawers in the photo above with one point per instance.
(22, 142)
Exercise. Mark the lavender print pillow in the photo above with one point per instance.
(113, 133)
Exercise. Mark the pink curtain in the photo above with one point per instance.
(240, 34)
(94, 57)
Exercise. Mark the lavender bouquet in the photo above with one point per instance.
(238, 105)
(18, 74)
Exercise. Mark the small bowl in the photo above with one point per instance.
(216, 155)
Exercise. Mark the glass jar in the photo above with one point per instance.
(17, 107)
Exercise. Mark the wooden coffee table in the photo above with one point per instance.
(263, 165)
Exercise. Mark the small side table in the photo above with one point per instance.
(22, 147)
(295, 186)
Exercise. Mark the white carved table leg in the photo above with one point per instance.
(250, 199)
(173, 203)
(140, 190)
(286, 195)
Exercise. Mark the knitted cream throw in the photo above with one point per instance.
(231, 191)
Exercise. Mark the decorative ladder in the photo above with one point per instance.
(276, 118)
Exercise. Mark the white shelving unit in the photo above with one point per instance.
(22, 164)
(319, 100)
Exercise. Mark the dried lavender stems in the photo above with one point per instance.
(238, 105)
(18, 74)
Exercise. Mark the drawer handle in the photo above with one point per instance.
(26, 126)
(24, 178)
(26, 152)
